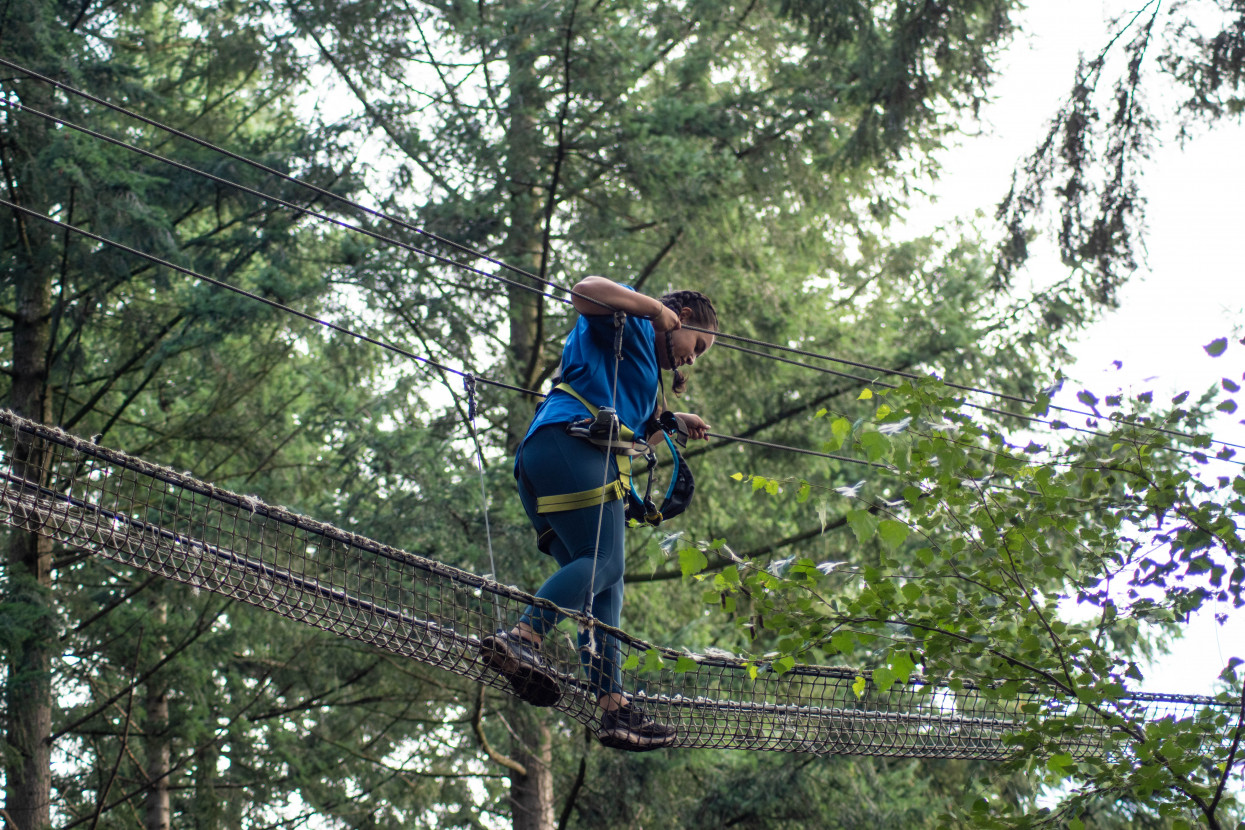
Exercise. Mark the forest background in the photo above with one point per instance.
(767, 153)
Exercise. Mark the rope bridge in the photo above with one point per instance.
(166, 523)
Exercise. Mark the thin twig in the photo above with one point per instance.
(477, 726)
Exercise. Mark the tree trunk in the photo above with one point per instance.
(531, 795)
(523, 246)
(28, 608)
(156, 727)
(28, 692)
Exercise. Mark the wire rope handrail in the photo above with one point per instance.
(368, 339)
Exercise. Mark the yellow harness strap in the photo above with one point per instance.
(597, 495)
(584, 498)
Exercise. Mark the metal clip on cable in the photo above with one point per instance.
(605, 426)
(620, 320)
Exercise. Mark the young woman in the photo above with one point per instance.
(561, 477)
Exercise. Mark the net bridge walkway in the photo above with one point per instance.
(167, 523)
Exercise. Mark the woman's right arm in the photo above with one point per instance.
(611, 296)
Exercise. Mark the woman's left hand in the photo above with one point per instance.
(696, 426)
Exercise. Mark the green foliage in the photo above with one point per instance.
(263, 716)
(975, 574)
(765, 790)
(757, 151)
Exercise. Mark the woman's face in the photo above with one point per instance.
(686, 345)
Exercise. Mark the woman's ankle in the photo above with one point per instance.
(612, 701)
(524, 632)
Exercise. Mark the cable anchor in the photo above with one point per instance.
(469, 384)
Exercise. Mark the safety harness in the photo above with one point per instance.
(604, 430)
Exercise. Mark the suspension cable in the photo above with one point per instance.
(292, 180)
(469, 386)
(290, 205)
(252, 296)
(913, 376)
(551, 284)
(366, 338)
(1033, 419)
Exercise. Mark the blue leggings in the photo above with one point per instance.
(552, 463)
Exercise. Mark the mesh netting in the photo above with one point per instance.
(170, 524)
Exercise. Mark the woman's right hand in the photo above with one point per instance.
(667, 320)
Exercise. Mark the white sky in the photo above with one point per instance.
(1190, 290)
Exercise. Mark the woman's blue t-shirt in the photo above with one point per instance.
(588, 367)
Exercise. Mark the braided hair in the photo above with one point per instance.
(704, 316)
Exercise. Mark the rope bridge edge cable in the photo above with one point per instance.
(171, 524)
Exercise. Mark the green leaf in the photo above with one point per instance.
(893, 533)
(859, 685)
(684, 664)
(911, 591)
(876, 445)
(784, 664)
(902, 665)
(841, 427)
(865, 394)
(802, 495)
(653, 661)
(1216, 347)
(738, 476)
(632, 662)
(863, 524)
(882, 412)
(692, 561)
(1061, 764)
(883, 678)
